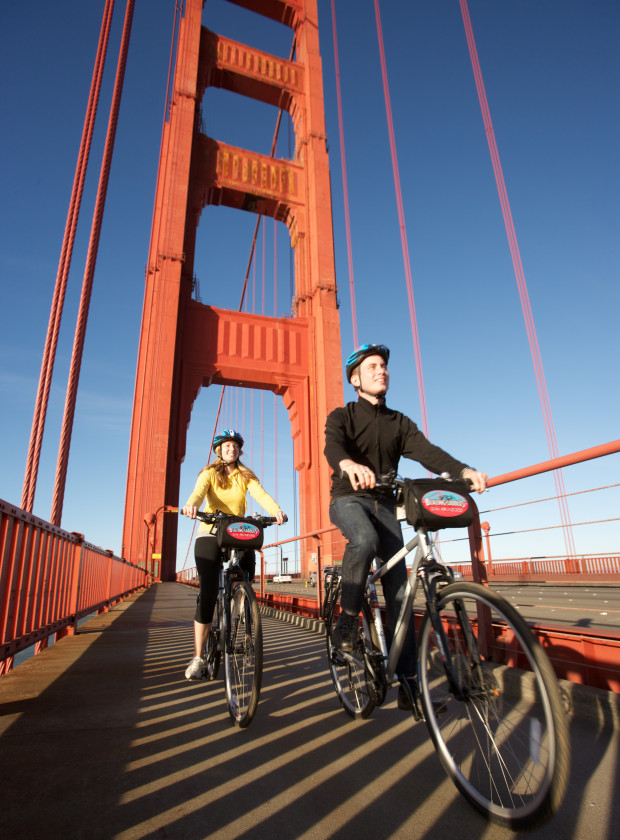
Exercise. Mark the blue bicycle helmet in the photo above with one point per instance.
(227, 434)
(358, 356)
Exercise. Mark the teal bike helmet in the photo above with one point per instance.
(228, 434)
(358, 356)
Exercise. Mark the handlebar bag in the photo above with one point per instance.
(436, 503)
(237, 532)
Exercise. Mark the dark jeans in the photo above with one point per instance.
(207, 554)
(369, 525)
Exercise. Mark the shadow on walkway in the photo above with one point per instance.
(101, 737)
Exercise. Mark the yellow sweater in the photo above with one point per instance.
(230, 499)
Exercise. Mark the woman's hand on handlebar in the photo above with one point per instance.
(280, 517)
(189, 511)
(361, 477)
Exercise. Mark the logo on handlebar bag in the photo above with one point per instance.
(444, 503)
(243, 531)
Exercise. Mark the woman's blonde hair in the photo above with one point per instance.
(222, 479)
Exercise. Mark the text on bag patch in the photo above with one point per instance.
(444, 503)
(242, 531)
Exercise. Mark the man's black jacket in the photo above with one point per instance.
(377, 437)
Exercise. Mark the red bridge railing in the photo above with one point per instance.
(50, 579)
(604, 569)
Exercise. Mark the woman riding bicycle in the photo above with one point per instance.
(223, 486)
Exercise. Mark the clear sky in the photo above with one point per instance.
(552, 76)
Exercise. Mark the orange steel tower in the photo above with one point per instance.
(185, 345)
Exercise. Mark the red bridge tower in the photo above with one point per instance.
(185, 345)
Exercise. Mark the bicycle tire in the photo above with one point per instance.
(505, 743)
(348, 671)
(243, 654)
(213, 654)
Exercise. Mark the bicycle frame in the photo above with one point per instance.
(423, 555)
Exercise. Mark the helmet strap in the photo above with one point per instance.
(379, 397)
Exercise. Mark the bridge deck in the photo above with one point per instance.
(101, 737)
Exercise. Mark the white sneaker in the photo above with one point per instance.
(196, 669)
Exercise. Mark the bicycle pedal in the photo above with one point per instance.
(340, 657)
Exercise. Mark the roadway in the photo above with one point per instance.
(594, 608)
(101, 738)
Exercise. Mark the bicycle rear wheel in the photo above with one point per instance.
(243, 655)
(501, 731)
(348, 671)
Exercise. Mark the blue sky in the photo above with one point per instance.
(552, 75)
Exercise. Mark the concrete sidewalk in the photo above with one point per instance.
(101, 737)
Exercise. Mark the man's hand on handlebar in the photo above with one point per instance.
(477, 479)
(361, 477)
(280, 517)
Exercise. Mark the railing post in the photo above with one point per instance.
(319, 574)
(74, 596)
(106, 607)
(486, 528)
(485, 628)
(475, 549)
(262, 573)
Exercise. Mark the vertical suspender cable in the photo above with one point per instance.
(520, 277)
(275, 396)
(262, 393)
(78, 344)
(51, 341)
(252, 391)
(345, 190)
(403, 230)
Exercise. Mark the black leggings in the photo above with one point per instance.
(208, 563)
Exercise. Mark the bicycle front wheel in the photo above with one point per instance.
(348, 671)
(243, 655)
(213, 654)
(500, 729)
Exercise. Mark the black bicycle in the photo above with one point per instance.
(486, 688)
(236, 631)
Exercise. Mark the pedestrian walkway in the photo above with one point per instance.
(101, 737)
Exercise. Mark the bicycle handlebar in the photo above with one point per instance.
(390, 481)
(218, 516)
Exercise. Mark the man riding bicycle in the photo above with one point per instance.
(362, 440)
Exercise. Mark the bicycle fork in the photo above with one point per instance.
(459, 685)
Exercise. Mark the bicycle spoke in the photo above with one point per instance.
(243, 659)
(349, 672)
(502, 737)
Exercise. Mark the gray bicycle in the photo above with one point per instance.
(486, 688)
